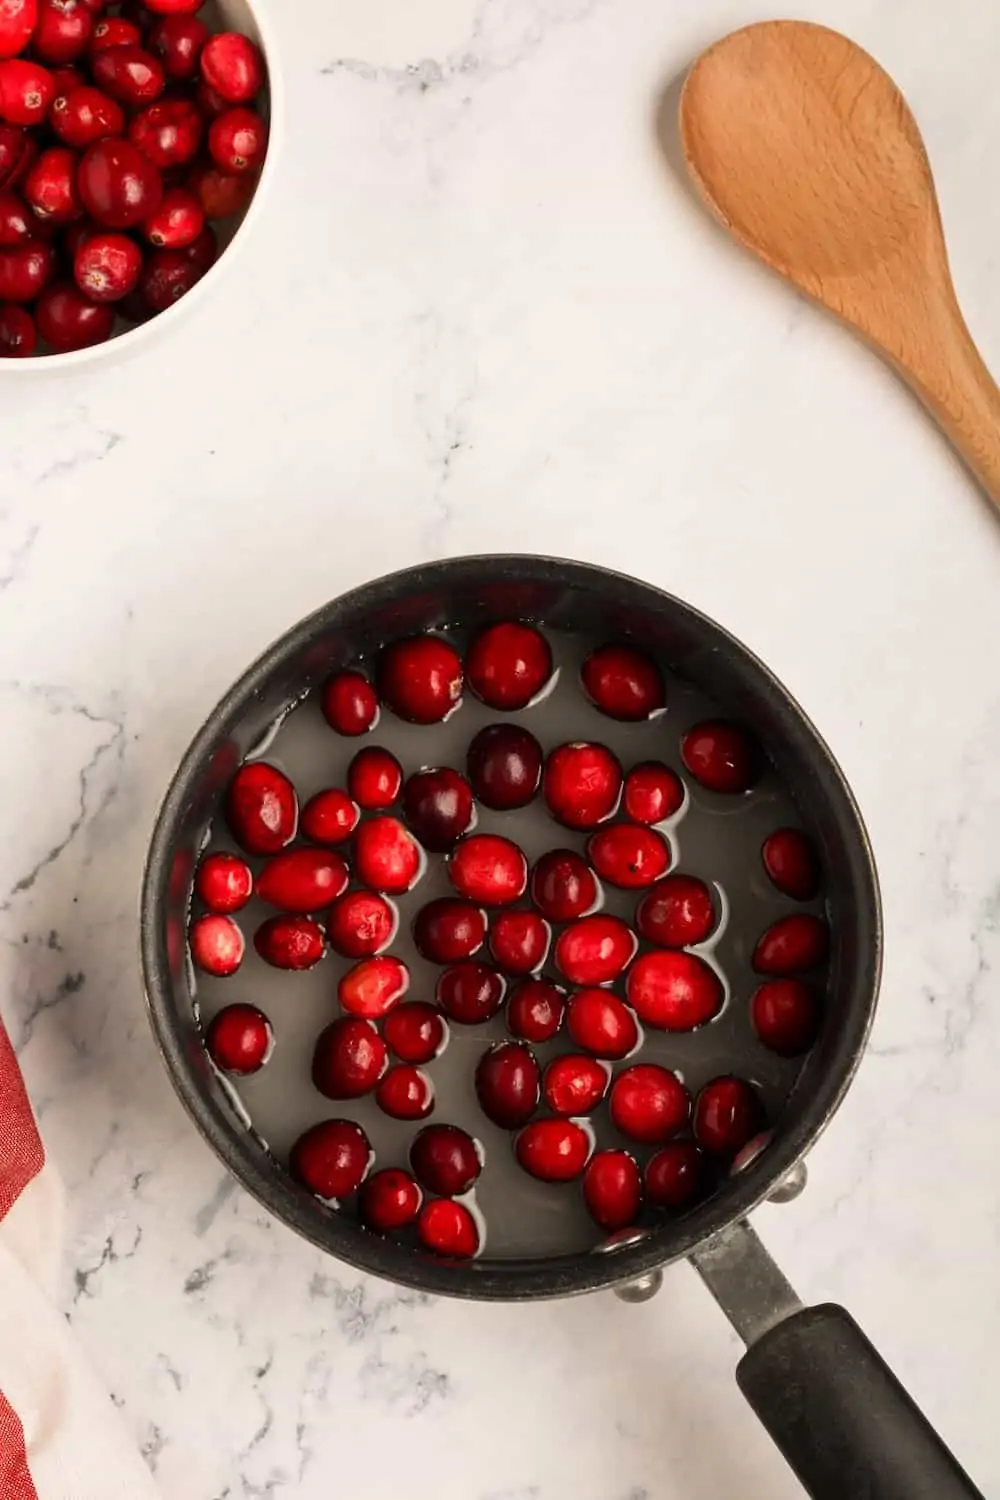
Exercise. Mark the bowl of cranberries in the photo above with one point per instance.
(135, 140)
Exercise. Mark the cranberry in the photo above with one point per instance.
(488, 869)
(447, 930)
(349, 703)
(673, 991)
(785, 1016)
(374, 778)
(302, 880)
(116, 32)
(63, 31)
(792, 945)
(504, 763)
(177, 41)
(66, 79)
(237, 140)
(628, 855)
(169, 133)
(581, 784)
(349, 1058)
(470, 993)
(239, 1039)
(612, 1189)
(373, 987)
(420, 678)
(519, 941)
(68, 320)
(563, 886)
(508, 665)
(535, 1010)
(107, 266)
(18, 19)
(389, 1200)
(448, 1229)
(416, 1031)
(17, 224)
(167, 276)
(204, 249)
(721, 756)
(85, 115)
(221, 194)
(209, 101)
(652, 792)
(405, 1093)
(623, 683)
(224, 882)
(173, 7)
(289, 942)
(330, 817)
(18, 336)
(437, 804)
(791, 863)
(553, 1150)
(507, 1084)
(119, 186)
(233, 66)
(649, 1104)
(386, 856)
(575, 1084)
(676, 1175)
(361, 924)
(131, 75)
(26, 91)
(50, 186)
(262, 809)
(331, 1159)
(594, 950)
(17, 152)
(217, 945)
(677, 913)
(601, 1023)
(25, 270)
(445, 1160)
(727, 1114)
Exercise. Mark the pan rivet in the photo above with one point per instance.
(641, 1288)
(790, 1186)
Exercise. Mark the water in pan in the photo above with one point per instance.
(714, 837)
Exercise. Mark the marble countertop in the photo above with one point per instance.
(521, 333)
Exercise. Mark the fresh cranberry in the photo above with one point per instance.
(114, 32)
(581, 784)
(628, 855)
(173, 7)
(575, 1084)
(785, 1016)
(652, 792)
(119, 186)
(349, 703)
(361, 924)
(237, 140)
(17, 152)
(169, 132)
(721, 756)
(26, 91)
(221, 194)
(612, 1189)
(421, 678)
(437, 805)
(167, 276)
(508, 665)
(63, 31)
(262, 809)
(676, 1175)
(209, 101)
(50, 186)
(416, 1031)
(449, 1229)
(673, 991)
(302, 880)
(86, 115)
(373, 986)
(17, 223)
(131, 75)
(594, 950)
(563, 886)
(25, 270)
(68, 320)
(331, 1159)
(374, 778)
(791, 863)
(791, 945)
(234, 66)
(649, 1104)
(470, 993)
(67, 78)
(677, 913)
(535, 1010)
(18, 19)
(289, 942)
(18, 335)
(177, 41)
(727, 1114)
(519, 941)
(239, 1039)
(507, 1084)
(504, 763)
(445, 1160)
(623, 683)
(217, 945)
(349, 1058)
(107, 266)
(330, 817)
(204, 249)
(602, 1023)
(553, 1150)
(405, 1093)
(386, 856)
(488, 869)
(224, 882)
(389, 1200)
(447, 930)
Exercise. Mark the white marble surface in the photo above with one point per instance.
(522, 333)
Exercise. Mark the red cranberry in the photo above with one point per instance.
(535, 1010)
(204, 249)
(437, 805)
(507, 1084)
(221, 194)
(594, 950)
(602, 1024)
(652, 792)
(331, 1159)
(262, 809)
(649, 1104)
(67, 320)
(233, 66)
(504, 763)
(224, 882)
(50, 186)
(361, 924)
(18, 335)
(289, 942)
(447, 930)
(63, 31)
(386, 856)
(508, 665)
(177, 41)
(173, 7)
(107, 266)
(785, 1016)
(18, 19)
(791, 945)
(448, 1229)
(623, 683)
(676, 1176)
(488, 869)
(374, 778)
(119, 186)
(86, 115)
(721, 756)
(17, 152)
(581, 784)
(330, 817)
(445, 1160)
(628, 855)
(217, 945)
(167, 276)
(405, 1093)
(373, 987)
(131, 75)
(673, 991)
(211, 103)
(791, 863)
(470, 993)
(563, 886)
(575, 1084)
(727, 1114)
(237, 140)
(349, 704)
(415, 1031)
(17, 224)
(677, 912)
(67, 79)
(26, 91)
(302, 880)
(612, 1190)
(349, 1058)
(519, 941)
(114, 32)
(553, 1150)
(25, 271)
(169, 133)
(389, 1200)
(239, 1039)
(420, 678)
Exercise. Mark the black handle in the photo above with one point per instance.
(840, 1416)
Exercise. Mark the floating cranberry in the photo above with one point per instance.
(349, 1058)
(289, 942)
(224, 882)
(612, 1190)
(118, 185)
(594, 950)
(239, 1039)
(575, 1084)
(673, 991)
(217, 945)
(68, 320)
(169, 133)
(677, 913)
(50, 186)
(221, 194)
(488, 869)
(389, 1200)
(721, 756)
(437, 805)
(602, 1023)
(26, 91)
(361, 924)
(415, 1031)
(374, 778)
(447, 930)
(652, 792)
(445, 1160)
(18, 19)
(553, 1150)
(563, 886)
(114, 32)
(649, 1104)
(405, 1093)
(676, 1176)
(470, 993)
(64, 28)
(519, 941)
(791, 945)
(628, 855)
(623, 683)
(18, 335)
(17, 223)
(791, 863)
(237, 140)
(373, 987)
(233, 65)
(330, 817)
(131, 75)
(386, 856)
(508, 665)
(107, 266)
(167, 276)
(785, 1016)
(448, 1229)
(504, 763)
(85, 115)
(25, 271)
(331, 1159)
(581, 784)
(177, 41)
(420, 678)
(262, 809)
(349, 703)
(507, 1084)
(727, 1114)
(535, 1010)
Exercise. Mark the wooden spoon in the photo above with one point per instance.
(810, 156)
